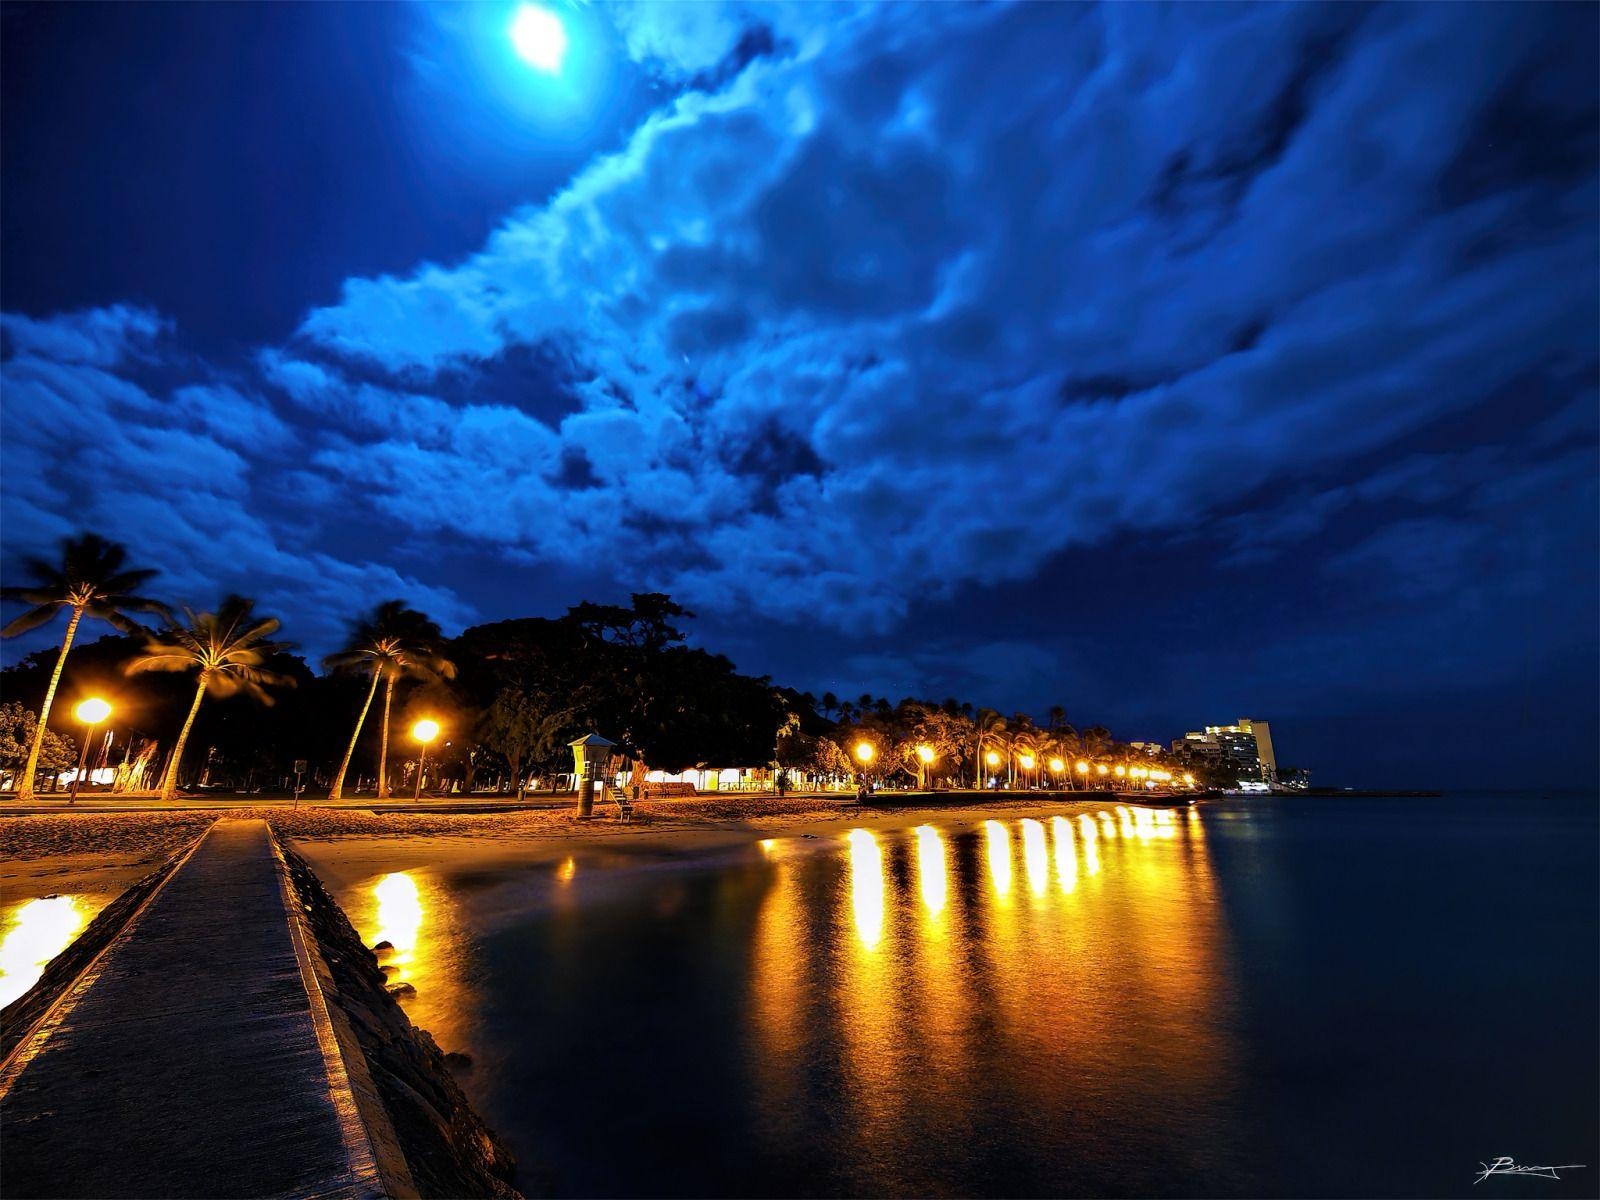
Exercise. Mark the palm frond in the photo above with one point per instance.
(31, 619)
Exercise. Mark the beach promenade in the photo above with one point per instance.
(196, 1056)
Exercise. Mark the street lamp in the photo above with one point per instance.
(865, 752)
(1083, 770)
(91, 712)
(925, 756)
(1026, 761)
(424, 731)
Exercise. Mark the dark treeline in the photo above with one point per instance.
(521, 690)
(506, 698)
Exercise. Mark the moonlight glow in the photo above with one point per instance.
(539, 37)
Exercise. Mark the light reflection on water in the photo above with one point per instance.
(930, 869)
(399, 916)
(410, 911)
(947, 1008)
(896, 1012)
(34, 932)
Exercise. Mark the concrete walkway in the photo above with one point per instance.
(196, 1061)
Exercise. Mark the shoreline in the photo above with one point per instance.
(103, 853)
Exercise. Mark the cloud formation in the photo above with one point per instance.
(889, 300)
(198, 478)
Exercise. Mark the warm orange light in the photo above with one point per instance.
(1083, 767)
(1057, 765)
(92, 711)
(1102, 769)
(1121, 771)
(865, 751)
(1188, 779)
(1035, 856)
(1026, 760)
(992, 759)
(425, 731)
(925, 753)
(866, 886)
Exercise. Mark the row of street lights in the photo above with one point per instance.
(1148, 776)
(93, 712)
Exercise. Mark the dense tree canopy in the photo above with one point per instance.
(522, 689)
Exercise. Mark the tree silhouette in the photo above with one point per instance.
(226, 648)
(90, 580)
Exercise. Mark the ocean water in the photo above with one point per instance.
(1309, 997)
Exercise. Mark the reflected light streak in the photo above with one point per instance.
(1125, 820)
(399, 914)
(930, 868)
(999, 856)
(866, 886)
(567, 869)
(1108, 827)
(1066, 858)
(43, 929)
(1036, 856)
(1086, 825)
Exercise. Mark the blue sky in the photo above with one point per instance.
(1172, 364)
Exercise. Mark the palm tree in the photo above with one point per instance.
(89, 579)
(227, 648)
(989, 724)
(391, 642)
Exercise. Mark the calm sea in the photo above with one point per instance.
(1261, 997)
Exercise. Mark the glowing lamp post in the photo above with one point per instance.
(1056, 767)
(1083, 774)
(589, 758)
(925, 757)
(424, 732)
(91, 712)
(1026, 761)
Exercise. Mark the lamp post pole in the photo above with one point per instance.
(424, 731)
(83, 759)
(91, 712)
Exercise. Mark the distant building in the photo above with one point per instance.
(1149, 749)
(1246, 745)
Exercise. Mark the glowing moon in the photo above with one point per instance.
(539, 37)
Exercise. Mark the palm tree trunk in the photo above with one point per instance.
(383, 745)
(25, 785)
(335, 792)
(169, 784)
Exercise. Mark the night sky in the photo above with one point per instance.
(1171, 364)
